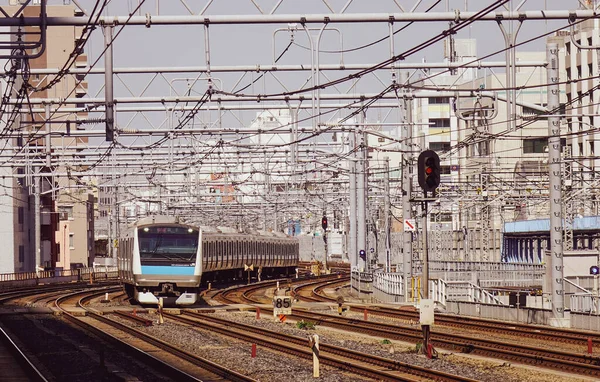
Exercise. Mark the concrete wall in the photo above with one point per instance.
(499, 312)
(585, 321)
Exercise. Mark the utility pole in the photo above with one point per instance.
(406, 135)
(353, 222)
(361, 200)
(38, 219)
(556, 231)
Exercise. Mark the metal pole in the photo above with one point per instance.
(38, 222)
(48, 137)
(425, 253)
(386, 214)
(353, 251)
(361, 200)
(406, 135)
(556, 231)
(425, 281)
(108, 86)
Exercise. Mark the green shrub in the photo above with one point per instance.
(306, 325)
(418, 347)
(386, 342)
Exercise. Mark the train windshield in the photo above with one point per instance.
(168, 244)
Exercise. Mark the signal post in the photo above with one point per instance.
(428, 166)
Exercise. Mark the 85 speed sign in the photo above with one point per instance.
(282, 305)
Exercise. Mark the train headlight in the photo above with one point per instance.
(146, 229)
(190, 230)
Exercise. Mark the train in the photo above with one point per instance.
(161, 257)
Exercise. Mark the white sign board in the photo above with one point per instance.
(426, 312)
(409, 225)
(282, 305)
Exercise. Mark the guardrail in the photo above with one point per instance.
(12, 280)
(466, 291)
(585, 303)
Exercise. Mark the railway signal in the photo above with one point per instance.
(594, 270)
(363, 254)
(324, 223)
(429, 170)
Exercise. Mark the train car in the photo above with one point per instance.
(160, 257)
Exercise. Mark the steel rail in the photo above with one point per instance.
(296, 345)
(510, 328)
(574, 362)
(582, 364)
(26, 365)
(140, 354)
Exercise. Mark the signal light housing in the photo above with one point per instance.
(594, 270)
(324, 222)
(362, 254)
(429, 170)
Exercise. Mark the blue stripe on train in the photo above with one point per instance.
(167, 270)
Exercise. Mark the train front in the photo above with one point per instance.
(167, 263)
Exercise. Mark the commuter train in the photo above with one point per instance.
(160, 257)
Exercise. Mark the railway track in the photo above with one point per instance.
(15, 365)
(579, 337)
(554, 359)
(171, 361)
(242, 294)
(345, 359)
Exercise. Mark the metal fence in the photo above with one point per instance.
(20, 279)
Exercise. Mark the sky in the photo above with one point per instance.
(231, 45)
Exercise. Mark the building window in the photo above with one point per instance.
(483, 148)
(20, 214)
(439, 100)
(21, 253)
(535, 145)
(445, 170)
(445, 217)
(71, 240)
(65, 211)
(439, 122)
(439, 146)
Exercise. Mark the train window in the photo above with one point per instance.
(244, 252)
(220, 253)
(229, 253)
(226, 254)
(224, 258)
